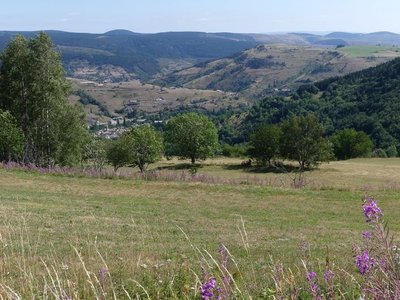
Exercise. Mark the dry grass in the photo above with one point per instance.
(355, 174)
(137, 226)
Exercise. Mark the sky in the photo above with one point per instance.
(241, 16)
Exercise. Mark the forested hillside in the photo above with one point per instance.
(367, 100)
(140, 55)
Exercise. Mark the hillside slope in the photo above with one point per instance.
(139, 55)
(367, 100)
(266, 69)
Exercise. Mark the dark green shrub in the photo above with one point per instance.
(392, 151)
(349, 143)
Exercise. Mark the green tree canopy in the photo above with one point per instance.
(145, 146)
(264, 143)
(349, 143)
(94, 152)
(302, 140)
(118, 154)
(11, 138)
(34, 89)
(192, 136)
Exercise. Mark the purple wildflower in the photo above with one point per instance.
(311, 276)
(303, 247)
(226, 279)
(102, 276)
(328, 276)
(382, 264)
(207, 289)
(312, 280)
(371, 210)
(364, 262)
(224, 255)
(367, 235)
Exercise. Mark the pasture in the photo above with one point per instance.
(371, 51)
(156, 238)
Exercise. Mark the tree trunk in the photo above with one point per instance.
(142, 167)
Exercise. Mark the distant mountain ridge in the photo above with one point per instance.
(139, 55)
(384, 38)
(120, 32)
(122, 54)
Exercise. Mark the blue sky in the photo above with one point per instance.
(256, 16)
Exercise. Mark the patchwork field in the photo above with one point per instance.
(153, 238)
(371, 51)
(150, 98)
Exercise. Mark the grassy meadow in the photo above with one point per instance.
(77, 237)
(370, 51)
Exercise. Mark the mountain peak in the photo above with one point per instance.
(121, 32)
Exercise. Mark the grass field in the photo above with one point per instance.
(371, 51)
(138, 230)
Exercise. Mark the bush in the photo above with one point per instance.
(392, 151)
(349, 143)
(380, 153)
(237, 150)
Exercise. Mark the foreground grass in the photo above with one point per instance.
(356, 174)
(139, 232)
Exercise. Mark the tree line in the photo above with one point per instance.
(302, 139)
(193, 136)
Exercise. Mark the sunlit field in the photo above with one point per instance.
(81, 237)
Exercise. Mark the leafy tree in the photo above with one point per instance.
(192, 136)
(34, 89)
(349, 143)
(145, 146)
(94, 152)
(302, 140)
(118, 153)
(307, 88)
(264, 143)
(11, 138)
(71, 136)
